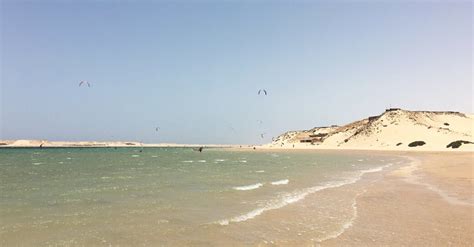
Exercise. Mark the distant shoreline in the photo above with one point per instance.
(48, 144)
(232, 147)
(393, 130)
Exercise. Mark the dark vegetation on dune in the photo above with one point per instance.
(398, 144)
(457, 144)
(417, 143)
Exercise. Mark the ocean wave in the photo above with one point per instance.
(281, 182)
(219, 160)
(260, 171)
(201, 161)
(135, 155)
(248, 187)
(187, 161)
(37, 163)
(298, 195)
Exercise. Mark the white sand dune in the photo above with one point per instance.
(394, 129)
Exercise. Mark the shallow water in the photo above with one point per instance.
(175, 196)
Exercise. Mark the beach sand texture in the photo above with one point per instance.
(427, 203)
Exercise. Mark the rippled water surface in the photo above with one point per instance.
(175, 196)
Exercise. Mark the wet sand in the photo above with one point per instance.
(428, 203)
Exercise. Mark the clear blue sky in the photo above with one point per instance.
(194, 68)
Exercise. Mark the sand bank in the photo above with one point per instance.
(96, 144)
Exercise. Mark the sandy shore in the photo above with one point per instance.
(428, 203)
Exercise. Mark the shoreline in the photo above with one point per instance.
(246, 147)
(415, 204)
(113, 145)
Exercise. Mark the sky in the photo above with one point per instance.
(194, 68)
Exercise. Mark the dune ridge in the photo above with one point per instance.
(394, 129)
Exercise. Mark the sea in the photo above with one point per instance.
(180, 197)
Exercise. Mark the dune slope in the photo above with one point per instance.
(395, 129)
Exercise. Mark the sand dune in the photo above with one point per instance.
(395, 129)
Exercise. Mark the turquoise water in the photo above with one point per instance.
(171, 196)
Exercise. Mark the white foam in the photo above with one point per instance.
(297, 196)
(346, 225)
(219, 160)
(242, 161)
(260, 171)
(202, 161)
(135, 155)
(360, 160)
(248, 187)
(154, 156)
(187, 161)
(69, 158)
(37, 163)
(281, 182)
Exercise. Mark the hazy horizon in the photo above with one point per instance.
(194, 68)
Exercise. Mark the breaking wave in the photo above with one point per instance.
(248, 187)
(281, 182)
